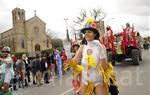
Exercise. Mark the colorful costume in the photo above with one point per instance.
(9, 72)
(92, 54)
(58, 63)
(6, 73)
(91, 62)
(129, 36)
(76, 82)
(108, 39)
(98, 54)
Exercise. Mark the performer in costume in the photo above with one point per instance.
(58, 63)
(8, 72)
(129, 35)
(92, 83)
(108, 39)
(76, 82)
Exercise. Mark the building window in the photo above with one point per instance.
(2, 43)
(36, 29)
(5, 42)
(13, 44)
(22, 44)
(47, 43)
(19, 16)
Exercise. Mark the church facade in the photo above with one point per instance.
(26, 35)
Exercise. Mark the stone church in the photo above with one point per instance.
(26, 35)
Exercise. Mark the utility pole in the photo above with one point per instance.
(66, 19)
(75, 35)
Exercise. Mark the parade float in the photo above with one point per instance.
(125, 45)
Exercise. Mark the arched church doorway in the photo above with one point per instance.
(37, 47)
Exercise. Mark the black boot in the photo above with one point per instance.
(26, 83)
(14, 88)
(28, 76)
(34, 82)
(20, 82)
(46, 78)
(47, 82)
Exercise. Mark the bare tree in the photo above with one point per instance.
(79, 19)
(51, 34)
(97, 13)
(76, 33)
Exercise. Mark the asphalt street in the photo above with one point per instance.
(132, 80)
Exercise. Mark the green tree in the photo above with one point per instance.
(57, 43)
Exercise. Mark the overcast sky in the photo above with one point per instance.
(53, 12)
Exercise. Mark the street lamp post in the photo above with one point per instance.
(66, 19)
(75, 35)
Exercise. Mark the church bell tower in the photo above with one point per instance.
(19, 29)
(18, 16)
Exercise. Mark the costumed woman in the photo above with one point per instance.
(93, 57)
(76, 82)
(108, 42)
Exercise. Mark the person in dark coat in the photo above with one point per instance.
(44, 69)
(48, 60)
(33, 68)
(37, 70)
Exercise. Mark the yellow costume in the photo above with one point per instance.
(107, 75)
(92, 54)
(91, 63)
(76, 67)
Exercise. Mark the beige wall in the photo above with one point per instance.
(6, 38)
(34, 37)
(24, 30)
